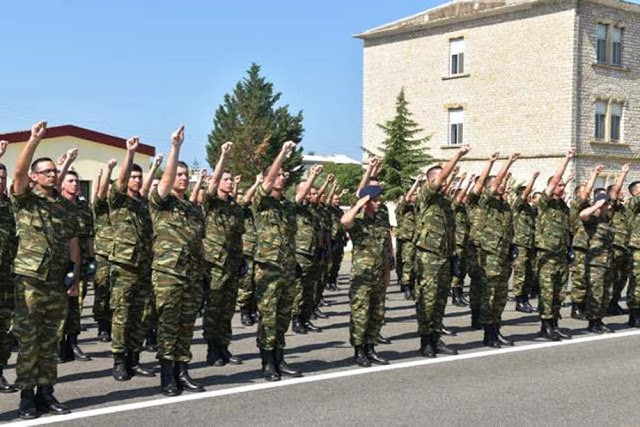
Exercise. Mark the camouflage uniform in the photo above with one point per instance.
(405, 249)
(102, 246)
(338, 238)
(224, 222)
(435, 241)
(473, 266)
(599, 261)
(8, 246)
(178, 231)
(45, 227)
(307, 256)
(462, 243)
(324, 250)
(553, 237)
(246, 293)
(275, 265)
(524, 221)
(621, 254)
(633, 220)
(366, 294)
(580, 244)
(130, 260)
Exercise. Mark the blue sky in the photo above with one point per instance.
(134, 67)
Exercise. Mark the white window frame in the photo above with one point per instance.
(456, 126)
(456, 56)
(608, 120)
(602, 51)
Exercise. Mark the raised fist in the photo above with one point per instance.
(177, 137)
(494, 156)
(536, 174)
(132, 143)
(237, 179)
(287, 147)
(226, 147)
(112, 163)
(259, 178)
(464, 149)
(626, 167)
(72, 154)
(331, 177)
(38, 130)
(514, 157)
(571, 153)
(157, 160)
(598, 169)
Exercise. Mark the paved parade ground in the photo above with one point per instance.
(590, 380)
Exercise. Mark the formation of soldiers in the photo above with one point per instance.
(158, 256)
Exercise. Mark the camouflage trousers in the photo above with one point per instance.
(40, 310)
(150, 314)
(247, 290)
(433, 280)
(366, 298)
(523, 272)
(475, 274)
(620, 272)
(305, 287)
(177, 301)
(578, 277)
(494, 284)
(461, 253)
(633, 292)
(553, 273)
(598, 292)
(405, 259)
(102, 288)
(7, 304)
(275, 289)
(321, 280)
(72, 322)
(337, 254)
(218, 313)
(130, 287)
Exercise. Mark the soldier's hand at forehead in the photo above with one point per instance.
(3, 147)
(177, 137)
(364, 200)
(226, 147)
(112, 163)
(132, 143)
(157, 160)
(600, 203)
(494, 157)
(38, 130)
(72, 154)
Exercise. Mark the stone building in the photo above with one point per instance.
(531, 76)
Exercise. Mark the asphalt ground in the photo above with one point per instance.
(592, 380)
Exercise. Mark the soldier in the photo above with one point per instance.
(324, 252)
(580, 245)
(553, 240)
(8, 246)
(130, 258)
(102, 248)
(434, 249)
(338, 237)
(461, 256)
(275, 267)
(47, 242)
(178, 229)
(524, 221)
(633, 219)
(246, 293)
(405, 231)
(224, 222)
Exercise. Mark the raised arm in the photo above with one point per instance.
(103, 187)
(3, 147)
(349, 217)
(450, 180)
(587, 189)
(96, 187)
(617, 187)
(216, 176)
(414, 187)
(448, 167)
(462, 194)
(334, 188)
(502, 173)
(236, 184)
(324, 185)
(587, 212)
(69, 158)
(274, 169)
(368, 173)
(314, 172)
(562, 167)
(193, 198)
(527, 190)
(21, 174)
(171, 168)
(125, 168)
(248, 195)
(477, 188)
(146, 185)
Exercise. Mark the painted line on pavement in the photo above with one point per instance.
(313, 378)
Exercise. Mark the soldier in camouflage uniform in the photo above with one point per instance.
(224, 221)
(633, 221)
(553, 241)
(102, 248)
(324, 252)
(366, 294)
(8, 246)
(308, 236)
(524, 220)
(275, 267)
(405, 231)
(338, 236)
(580, 246)
(621, 253)
(246, 293)
(435, 241)
(461, 256)
(178, 230)
(47, 241)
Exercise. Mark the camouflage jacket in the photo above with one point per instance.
(178, 233)
(524, 223)
(309, 229)
(619, 225)
(369, 238)
(436, 225)
(337, 230)
(249, 235)
(132, 229)
(224, 225)
(496, 233)
(275, 230)
(103, 242)
(406, 219)
(86, 230)
(553, 225)
(8, 237)
(45, 226)
(633, 222)
(578, 230)
(324, 216)
(600, 251)
(462, 224)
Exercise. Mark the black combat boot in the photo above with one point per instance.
(522, 304)
(383, 340)
(78, 354)
(184, 381)
(297, 325)
(120, 367)
(374, 357)
(311, 327)
(319, 314)
(214, 355)
(47, 403)
(133, 366)
(5, 387)
(408, 292)
(547, 331)
(500, 338)
(604, 328)
(103, 331)
(269, 371)
(65, 352)
(614, 309)
(27, 409)
(228, 357)
(168, 383)
(440, 347)
(558, 332)
(151, 344)
(360, 357)
(475, 319)
(577, 311)
(282, 367)
(490, 340)
(457, 297)
(245, 317)
(426, 349)
(593, 327)
(634, 318)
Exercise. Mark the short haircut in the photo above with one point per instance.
(537, 193)
(633, 186)
(432, 169)
(3, 167)
(73, 173)
(520, 189)
(34, 164)
(182, 164)
(136, 168)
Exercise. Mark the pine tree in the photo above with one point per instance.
(251, 119)
(403, 154)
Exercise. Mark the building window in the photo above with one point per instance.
(616, 122)
(608, 121)
(609, 44)
(601, 33)
(601, 117)
(456, 49)
(616, 46)
(456, 123)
